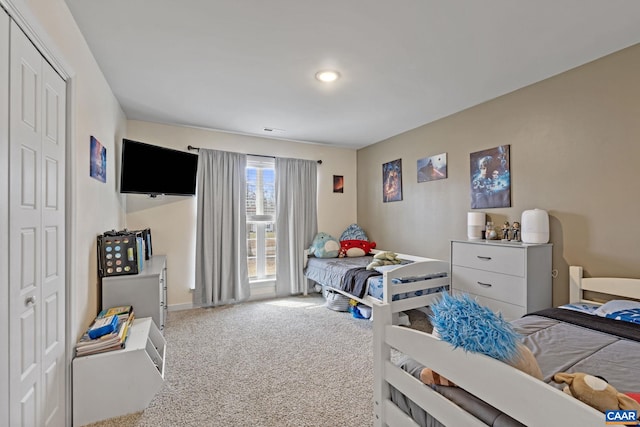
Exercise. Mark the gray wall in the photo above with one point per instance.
(575, 149)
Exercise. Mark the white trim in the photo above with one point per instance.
(179, 307)
(27, 22)
(4, 222)
(71, 214)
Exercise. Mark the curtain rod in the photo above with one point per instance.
(191, 147)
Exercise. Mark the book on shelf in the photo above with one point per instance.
(120, 311)
(107, 342)
(103, 326)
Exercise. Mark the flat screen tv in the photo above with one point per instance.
(150, 169)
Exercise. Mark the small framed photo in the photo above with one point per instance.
(97, 160)
(392, 181)
(338, 184)
(432, 168)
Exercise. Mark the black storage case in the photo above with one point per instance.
(119, 253)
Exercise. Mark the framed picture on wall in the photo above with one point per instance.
(97, 160)
(338, 183)
(432, 168)
(392, 181)
(490, 178)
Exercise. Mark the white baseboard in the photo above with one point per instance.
(178, 307)
(259, 290)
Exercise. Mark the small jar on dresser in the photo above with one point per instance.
(508, 277)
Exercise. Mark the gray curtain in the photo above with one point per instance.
(221, 241)
(296, 221)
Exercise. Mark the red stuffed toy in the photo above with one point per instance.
(354, 248)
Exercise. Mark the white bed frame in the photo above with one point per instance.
(419, 267)
(530, 401)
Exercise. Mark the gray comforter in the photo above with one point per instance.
(559, 346)
(330, 271)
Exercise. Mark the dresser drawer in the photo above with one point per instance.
(496, 286)
(509, 311)
(506, 260)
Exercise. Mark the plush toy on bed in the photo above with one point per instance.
(355, 248)
(462, 322)
(595, 392)
(324, 246)
(384, 258)
(354, 242)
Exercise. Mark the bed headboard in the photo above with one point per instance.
(615, 286)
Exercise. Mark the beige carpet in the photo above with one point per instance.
(284, 362)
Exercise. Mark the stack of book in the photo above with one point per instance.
(109, 331)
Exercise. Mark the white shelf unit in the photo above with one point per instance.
(145, 291)
(511, 278)
(119, 382)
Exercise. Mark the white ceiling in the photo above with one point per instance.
(245, 65)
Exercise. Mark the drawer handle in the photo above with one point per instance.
(486, 285)
(484, 258)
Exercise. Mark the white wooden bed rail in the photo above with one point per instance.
(420, 267)
(616, 286)
(524, 398)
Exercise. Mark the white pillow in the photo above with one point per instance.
(614, 306)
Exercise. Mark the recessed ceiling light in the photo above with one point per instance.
(327, 76)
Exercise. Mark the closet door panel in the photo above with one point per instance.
(53, 243)
(36, 215)
(24, 234)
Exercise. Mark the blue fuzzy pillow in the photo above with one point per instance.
(462, 322)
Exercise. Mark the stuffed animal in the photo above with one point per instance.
(354, 248)
(384, 258)
(595, 392)
(324, 246)
(462, 322)
(354, 232)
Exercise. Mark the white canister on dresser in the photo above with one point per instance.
(475, 225)
(535, 226)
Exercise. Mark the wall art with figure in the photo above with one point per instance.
(490, 178)
(97, 160)
(432, 168)
(392, 181)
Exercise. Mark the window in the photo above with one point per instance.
(261, 216)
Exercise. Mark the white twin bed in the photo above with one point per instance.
(511, 396)
(406, 286)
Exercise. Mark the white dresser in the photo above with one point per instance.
(510, 278)
(145, 291)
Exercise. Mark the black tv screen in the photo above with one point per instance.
(150, 169)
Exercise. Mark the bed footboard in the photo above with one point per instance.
(490, 380)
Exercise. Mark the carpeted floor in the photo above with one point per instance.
(283, 362)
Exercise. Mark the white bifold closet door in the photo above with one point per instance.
(36, 237)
